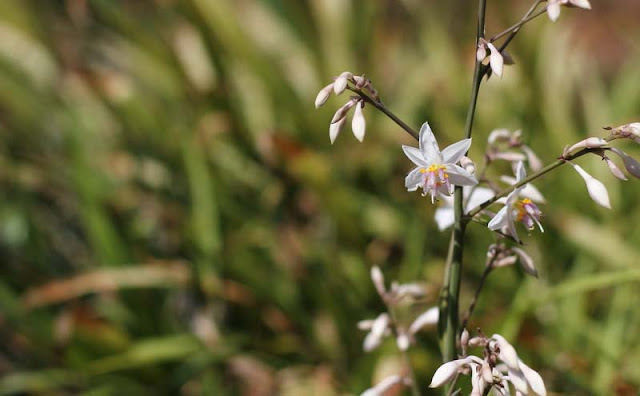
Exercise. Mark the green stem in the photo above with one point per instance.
(380, 106)
(448, 324)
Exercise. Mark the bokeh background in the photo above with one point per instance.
(174, 221)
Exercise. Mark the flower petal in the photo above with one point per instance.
(553, 10)
(446, 372)
(358, 123)
(453, 153)
(477, 196)
(413, 180)
(429, 146)
(526, 262)
(427, 318)
(496, 61)
(534, 379)
(323, 95)
(458, 176)
(415, 156)
(499, 220)
(444, 217)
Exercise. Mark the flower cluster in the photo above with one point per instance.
(340, 84)
(488, 373)
(497, 58)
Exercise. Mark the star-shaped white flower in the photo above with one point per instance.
(515, 209)
(436, 171)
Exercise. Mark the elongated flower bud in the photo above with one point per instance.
(580, 3)
(378, 280)
(323, 95)
(427, 318)
(631, 165)
(526, 262)
(507, 352)
(553, 10)
(341, 82)
(334, 129)
(342, 111)
(381, 387)
(591, 142)
(446, 372)
(481, 52)
(597, 190)
(613, 168)
(495, 60)
(358, 123)
(534, 379)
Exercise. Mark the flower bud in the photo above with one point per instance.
(504, 262)
(631, 165)
(507, 353)
(533, 378)
(481, 52)
(374, 338)
(341, 82)
(402, 341)
(499, 134)
(592, 142)
(597, 190)
(495, 60)
(508, 156)
(614, 169)
(526, 262)
(468, 164)
(335, 128)
(580, 4)
(427, 318)
(383, 386)
(553, 10)
(358, 123)
(342, 111)
(323, 95)
(378, 280)
(534, 162)
(446, 372)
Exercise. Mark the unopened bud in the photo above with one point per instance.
(426, 319)
(580, 4)
(358, 123)
(526, 262)
(402, 341)
(341, 82)
(495, 60)
(613, 168)
(323, 95)
(342, 111)
(510, 156)
(505, 261)
(597, 190)
(481, 52)
(335, 128)
(592, 142)
(378, 280)
(534, 162)
(468, 164)
(631, 164)
(499, 135)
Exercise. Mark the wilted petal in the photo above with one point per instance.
(381, 387)
(553, 10)
(453, 153)
(446, 372)
(323, 95)
(526, 262)
(597, 190)
(614, 169)
(459, 176)
(631, 164)
(413, 180)
(495, 60)
(358, 123)
(429, 146)
(335, 128)
(340, 84)
(427, 318)
(534, 379)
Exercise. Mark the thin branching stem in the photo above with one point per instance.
(518, 25)
(380, 106)
(560, 161)
(472, 305)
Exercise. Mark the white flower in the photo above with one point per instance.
(472, 197)
(523, 210)
(436, 170)
(553, 8)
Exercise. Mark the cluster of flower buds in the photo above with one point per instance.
(500, 369)
(338, 86)
(502, 144)
(382, 326)
(499, 255)
(598, 146)
(553, 8)
(497, 58)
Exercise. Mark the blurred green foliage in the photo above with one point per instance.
(174, 221)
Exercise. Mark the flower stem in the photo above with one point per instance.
(380, 106)
(472, 305)
(532, 177)
(514, 29)
(449, 316)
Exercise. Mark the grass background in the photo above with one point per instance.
(174, 221)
